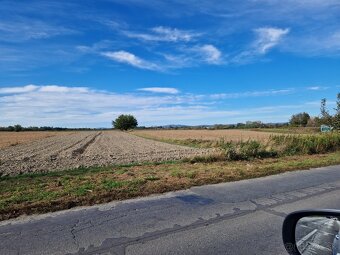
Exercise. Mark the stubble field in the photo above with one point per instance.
(87, 148)
(213, 135)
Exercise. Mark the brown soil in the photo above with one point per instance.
(88, 149)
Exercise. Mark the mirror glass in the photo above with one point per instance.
(318, 235)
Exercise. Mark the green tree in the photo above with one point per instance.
(300, 119)
(326, 118)
(125, 122)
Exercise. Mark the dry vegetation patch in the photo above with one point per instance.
(212, 135)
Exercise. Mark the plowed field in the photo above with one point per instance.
(88, 149)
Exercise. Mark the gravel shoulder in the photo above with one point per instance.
(88, 149)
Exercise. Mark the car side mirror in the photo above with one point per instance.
(312, 232)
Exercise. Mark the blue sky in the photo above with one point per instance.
(82, 63)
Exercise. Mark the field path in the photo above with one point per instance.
(88, 148)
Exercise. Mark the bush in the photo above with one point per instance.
(306, 144)
(229, 149)
(278, 145)
(245, 150)
(125, 122)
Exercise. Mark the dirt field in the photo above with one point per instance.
(14, 138)
(87, 149)
(229, 135)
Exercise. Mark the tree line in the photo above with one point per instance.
(18, 128)
(303, 119)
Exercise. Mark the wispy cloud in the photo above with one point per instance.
(26, 29)
(160, 90)
(130, 59)
(210, 53)
(315, 88)
(223, 25)
(164, 34)
(322, 43)
(253, 94)
(267, 38)
(186, 57)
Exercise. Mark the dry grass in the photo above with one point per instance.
(37, 193)
(291, 130)
(8, 139)
(234, 135)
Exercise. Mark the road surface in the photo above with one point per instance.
(242, 217)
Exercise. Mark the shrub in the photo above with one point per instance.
(230, 150)
(306, 144)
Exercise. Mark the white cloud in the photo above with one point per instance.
(268, 37)
(13, 90)
(130, 59)
(324, 43)
(160, 90)
(210, 53)
(165, 34)
(62, 89)
(317, 88)
(54, 105)
(26, 29)
(253, 94)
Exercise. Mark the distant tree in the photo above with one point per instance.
(17, 128)
(300, 119)
(125, 122)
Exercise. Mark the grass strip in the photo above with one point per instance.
(46, 192)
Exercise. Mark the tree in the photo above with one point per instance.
(336, 117)
(17, 128)
(300, 119)
(125, 122)
(326, 118)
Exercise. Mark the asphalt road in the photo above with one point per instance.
(242, 217)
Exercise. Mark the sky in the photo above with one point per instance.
(82, 63)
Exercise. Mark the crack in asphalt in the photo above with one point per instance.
(115, 244)
(74, 238)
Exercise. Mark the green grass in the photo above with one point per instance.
(44, 192)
